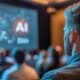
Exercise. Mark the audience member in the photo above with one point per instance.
(41, 64)
(55, 61)
(19, 70)
(30, 58)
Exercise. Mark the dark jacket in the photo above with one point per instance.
(69, 72)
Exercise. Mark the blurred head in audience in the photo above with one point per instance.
(72, 30)
(62, 56)
(42, 57)
(19, 57)
(54, 59)
(3, 53)
(31, 57)
(50, 49)
(53, 54)
(16, 56)
(41, 62)
(58, 48)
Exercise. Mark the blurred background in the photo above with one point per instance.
(35, 28)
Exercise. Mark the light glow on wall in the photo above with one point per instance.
(48, 1)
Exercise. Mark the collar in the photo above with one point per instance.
(75, 58)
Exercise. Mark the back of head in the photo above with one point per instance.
(19, 56)
(72, 29)
(72, 15)
(55, 55)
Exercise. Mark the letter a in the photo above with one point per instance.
(20, 27)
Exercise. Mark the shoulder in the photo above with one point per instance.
(69, 72)
(49, 75)
(55, 74)
(5, 74)
(14, 76)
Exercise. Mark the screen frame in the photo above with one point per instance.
(43, 20)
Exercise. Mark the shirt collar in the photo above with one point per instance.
(75, 58)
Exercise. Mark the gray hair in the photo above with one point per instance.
(72, 16)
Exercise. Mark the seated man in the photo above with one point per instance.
(20, 70)
(71, 45)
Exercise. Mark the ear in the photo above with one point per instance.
(73, 36)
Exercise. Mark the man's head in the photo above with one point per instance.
(72, 29)
(19, 56)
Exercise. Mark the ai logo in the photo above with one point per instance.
(22, 27)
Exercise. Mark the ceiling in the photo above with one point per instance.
(47, 1)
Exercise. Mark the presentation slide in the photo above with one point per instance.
(18, 27)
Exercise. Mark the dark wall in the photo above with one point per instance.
(43, 20)
(44, 29)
